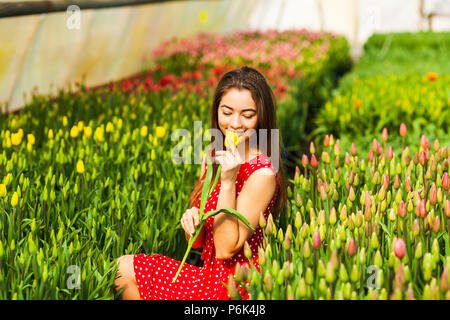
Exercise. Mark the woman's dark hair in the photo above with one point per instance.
(249, 79)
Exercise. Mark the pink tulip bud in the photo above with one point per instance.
(326, 142)
(314, 162)
(399, 248)
(374, 145)
(370, 157)
(436, 145)
(407, 184)
(424, 143)
(305, 161)
(384, 134)
(433, 194)
(353, 149)
(386, 181)
(390, 154)
(401, 209)
(396, 182)
(422, 208)
(423, 158)
(402, 129)
(351, 249)
(316, 241)
(445, 181)
(436, 224)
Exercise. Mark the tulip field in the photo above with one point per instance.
(87, 175)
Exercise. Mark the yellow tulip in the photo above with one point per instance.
(65, 121)
(2, 190)
(50, 134)
(109, 127)
(15, 199)
(80, 166)
(87, 131)
(74, 132)
(144, 131)
(30, 138)
(80, 125)
(16, 139)
(160, 131)
(98, 134)
(234, 137)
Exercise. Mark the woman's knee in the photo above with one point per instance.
(126, 268)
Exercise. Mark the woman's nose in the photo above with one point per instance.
(235, 122)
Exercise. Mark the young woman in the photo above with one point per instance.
(243, 103)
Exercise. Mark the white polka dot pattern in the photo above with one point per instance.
(154, 273)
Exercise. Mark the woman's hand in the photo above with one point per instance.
(190, 220)
(230, 160)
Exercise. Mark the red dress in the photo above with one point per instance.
(154, 273)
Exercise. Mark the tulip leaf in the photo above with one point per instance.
(206, 184)
(216, 180)
(383, 226)
(232, 212)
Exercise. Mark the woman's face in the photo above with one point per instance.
(237, 113)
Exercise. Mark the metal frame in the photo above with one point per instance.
(23, 8)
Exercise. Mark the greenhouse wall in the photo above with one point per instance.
(48, 51)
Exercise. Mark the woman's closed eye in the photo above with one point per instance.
(247, 117)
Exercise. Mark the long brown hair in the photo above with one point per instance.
(249, 79)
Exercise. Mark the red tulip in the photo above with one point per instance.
(316, 241)
(445, 181)
(422, 208)
(314, 162)
(351, 249)
(399, 248)
(402, 129)
(326, 142)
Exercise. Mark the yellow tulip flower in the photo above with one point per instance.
(109, 127)
(30, 138)
(50, 134)
(87, 131)
(234, 137)
(15, 199)
(2, 190)
(16, 139)
(144, 131)
(160, 131)
(74, 132)
(80, 166)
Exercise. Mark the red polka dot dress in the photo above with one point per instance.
(154, 273)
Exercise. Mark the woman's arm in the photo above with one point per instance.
(230, 233)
